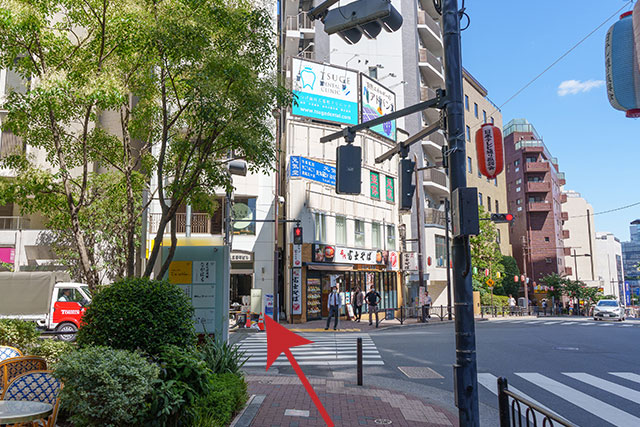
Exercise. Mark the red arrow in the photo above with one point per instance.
(280, 340)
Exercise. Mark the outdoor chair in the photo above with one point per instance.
(7, 352)
(36, 386)
(11, 368)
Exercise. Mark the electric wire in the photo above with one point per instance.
(607, 211)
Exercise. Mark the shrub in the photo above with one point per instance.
(184, 377)
(498, 300)
(105, 386)
(222, 357)
(18, 333)
(227, 396)
(51, 350)
(139, 313)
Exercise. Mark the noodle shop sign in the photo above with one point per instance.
(343, 255)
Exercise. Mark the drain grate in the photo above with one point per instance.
(419, 372)
(383, 421)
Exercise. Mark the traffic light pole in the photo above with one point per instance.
(465, 369)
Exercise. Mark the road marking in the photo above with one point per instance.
(605, 385)
(605, 324)
(551, 323)
(627, 376)
(490, 381)
(626, 326)
(590, 404)
(569, 323)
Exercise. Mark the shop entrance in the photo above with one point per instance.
(240, 285)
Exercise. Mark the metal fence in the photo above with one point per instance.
(422, 314)
(520, 409)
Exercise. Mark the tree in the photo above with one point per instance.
(555, 285)
(204, 91)
(485, 251)
(509, 286)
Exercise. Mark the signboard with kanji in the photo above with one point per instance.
(296, 291)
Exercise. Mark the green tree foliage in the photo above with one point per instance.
(139, 314)
(555, 285)
(485, 252)
(509, 286)
(201, 73)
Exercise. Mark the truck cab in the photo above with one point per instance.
(69, 302)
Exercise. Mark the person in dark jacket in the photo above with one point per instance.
(373, 298)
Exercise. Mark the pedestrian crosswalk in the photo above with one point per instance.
(597, 398)
(326, 349)
(566, 322)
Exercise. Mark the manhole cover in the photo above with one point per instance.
(419, 372)
(566, 348)
(383, 421)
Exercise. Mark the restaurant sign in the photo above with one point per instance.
(343, 255)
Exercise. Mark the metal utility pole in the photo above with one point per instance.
(418, 232)
(446, 233)
(525, 247)
(465, 369)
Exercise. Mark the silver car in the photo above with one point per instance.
(608, 309)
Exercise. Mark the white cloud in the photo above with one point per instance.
(573, 87)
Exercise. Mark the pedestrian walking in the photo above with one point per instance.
(512, 304)
(427, 303)
(334, 302)
(373, 298)
(358, 302)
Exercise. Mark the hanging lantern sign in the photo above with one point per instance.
(623, 75)
(636, 33)
(489, 149)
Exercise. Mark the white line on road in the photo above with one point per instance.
(605, 385)
(590, 404)
(569, 323)
(627, 376)
(551, 323)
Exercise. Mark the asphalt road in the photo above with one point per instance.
(587, 372)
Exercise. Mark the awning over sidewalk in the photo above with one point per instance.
(324, 266)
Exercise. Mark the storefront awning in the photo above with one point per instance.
(325, 266)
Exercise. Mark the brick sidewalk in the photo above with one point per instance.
(347, 405)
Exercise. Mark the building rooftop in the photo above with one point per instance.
(520, 125)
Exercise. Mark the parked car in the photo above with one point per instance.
(47, 298)
(608, 309)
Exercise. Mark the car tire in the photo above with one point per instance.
(67, 327)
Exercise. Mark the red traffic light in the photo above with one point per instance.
(297, 235)
(508, 217)
(501, 217)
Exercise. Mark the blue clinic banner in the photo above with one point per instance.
(324, 92)
(310, 169)
(377, 101)
(627, 294)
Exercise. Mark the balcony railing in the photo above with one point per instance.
(435, 176)
(566, 234)
(434, 216)
(565, 216)
(10, 144)
(538, 187)
(200, 223)
(536, 167)
(299, 22)
(538, 207)
(425, 19)
(563, 198)
(427, 57)
(567, 251)
(14, 223)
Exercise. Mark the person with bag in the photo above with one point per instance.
(373, 298)
(358, 302)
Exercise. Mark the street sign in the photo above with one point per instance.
(490, 283)
(410, 261)
(297, 256)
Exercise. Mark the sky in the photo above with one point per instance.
(509, 42)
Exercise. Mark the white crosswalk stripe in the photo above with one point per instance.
(586, 402)
(565, 322)
(581, 395)
(326, 349)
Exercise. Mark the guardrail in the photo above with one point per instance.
(423, 313)
(511, 415)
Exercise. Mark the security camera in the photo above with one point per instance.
(281, 200)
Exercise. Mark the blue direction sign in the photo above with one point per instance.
(310, 169)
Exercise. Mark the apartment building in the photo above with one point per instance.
(534, 197)
(631, 258)
(609, 270)
(581, 241)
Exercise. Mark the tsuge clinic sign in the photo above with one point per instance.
(324, 92)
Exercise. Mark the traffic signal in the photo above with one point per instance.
(297, 235)
(366, 17)
(348, 174)
(501, 217)
(405, 173)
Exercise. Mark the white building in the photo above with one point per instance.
(610, 271)
(580, 238)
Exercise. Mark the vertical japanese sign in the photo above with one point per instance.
(374, 178)
(376, 101)
(297, 256)
(391, 197)
(296, 291)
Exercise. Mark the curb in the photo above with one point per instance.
(412, 325)
(249, 412)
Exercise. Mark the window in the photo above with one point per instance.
(489, 203)
(359, 232)
(441, 251)
(519, 202)
(466, 102)
(480, 199)
(69, 295)
(498, 238)
(516, 163)
(468, 133)
(518, 189)
(479, 174)
(373, 72)
(546, 239)
(518, 181)
(495, 181)
(341, 230)
(469, 167)
(492, 121)
(391, 237)
(475, 110)
(484, 116)
(320, 222)
(243, 211)
(374, 178)
(376, 236)
(497, 207)
(548, 260)
(531, 159)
